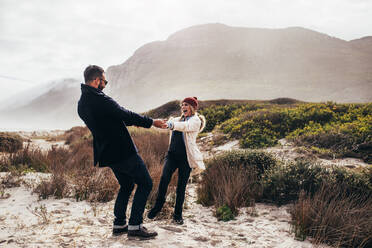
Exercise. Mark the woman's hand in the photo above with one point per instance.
(160, 123)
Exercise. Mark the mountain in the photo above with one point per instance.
(50, 106)
(26, 96)
(363, 44)
(217, 61)
(213, 61)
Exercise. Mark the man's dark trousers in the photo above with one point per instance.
(129, 172)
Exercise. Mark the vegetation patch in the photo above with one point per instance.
(10, 142)
(283, 183)
(337, 129)
(333, 216)
(233, 179)
(72, 171)
(224, 213)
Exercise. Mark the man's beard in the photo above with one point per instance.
(100, 87)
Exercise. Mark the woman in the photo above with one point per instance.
(183, 154)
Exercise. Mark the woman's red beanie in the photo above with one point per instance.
(193, 101)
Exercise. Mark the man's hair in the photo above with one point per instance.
(92, 72)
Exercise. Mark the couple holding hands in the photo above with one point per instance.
(114, 147)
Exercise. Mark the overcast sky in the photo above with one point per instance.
(44, 40)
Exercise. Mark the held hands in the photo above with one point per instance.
(160, 123)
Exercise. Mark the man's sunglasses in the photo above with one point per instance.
(105, 81)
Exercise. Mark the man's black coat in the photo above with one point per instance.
(107, 121)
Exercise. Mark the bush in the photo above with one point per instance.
(95, 185)
(232, 179)
(217, 114)
(283, 183)
(352, 138)
(10, 142)
(56, 186)
(331, 216)
(345, 129)
(259, 138)
(224, 213)
(27, 158)
(353, 183)
(258, 160)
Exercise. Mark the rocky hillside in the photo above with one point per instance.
(217, 61)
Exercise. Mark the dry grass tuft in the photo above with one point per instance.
(26, 158)
(232, 179)
(95, 185)
(332, 216)
(56, 186)
(232, 186)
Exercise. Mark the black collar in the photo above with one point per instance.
(85, 88)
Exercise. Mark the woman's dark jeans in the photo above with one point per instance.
(170, 166)
(129, 172)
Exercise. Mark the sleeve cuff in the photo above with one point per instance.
(170, 125)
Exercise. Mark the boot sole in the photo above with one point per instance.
(119, 234)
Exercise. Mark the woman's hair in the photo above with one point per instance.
(201, 117)
(203, 122)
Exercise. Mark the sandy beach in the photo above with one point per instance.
(26, 221)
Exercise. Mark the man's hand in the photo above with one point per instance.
(160, 123)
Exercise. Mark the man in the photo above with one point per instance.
(113, 147)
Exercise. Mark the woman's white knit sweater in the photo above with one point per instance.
(190, 129)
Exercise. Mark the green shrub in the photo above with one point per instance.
(283, 183)
(346, 139)
(344, 129)
(353, 183)
(259, 138)
(217, 114)
(258, 160)
(10, 142)
(224, 213)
